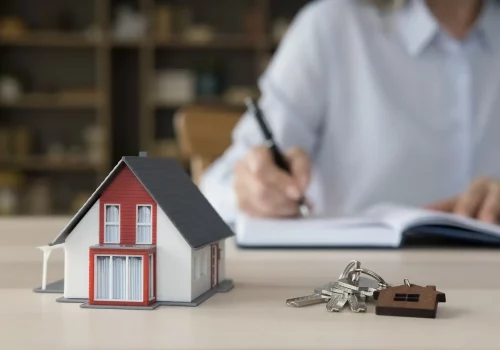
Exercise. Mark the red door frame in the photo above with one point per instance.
(214, 265)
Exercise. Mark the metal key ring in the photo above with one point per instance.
(370, 273)
(352, 266)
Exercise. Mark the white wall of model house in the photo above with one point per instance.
(76, 254)
(173, 254)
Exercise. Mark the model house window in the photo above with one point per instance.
(151, 277)
(119, 278)
(112, 224)
(200, 264)
(407, 297)
(102, 284)
(204, 263)
(144, 224)
(135, 279)
(196, 266)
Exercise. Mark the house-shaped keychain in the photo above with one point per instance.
(146, 237)
(408, 300)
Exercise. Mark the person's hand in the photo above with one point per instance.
(264, 190)
(480, 201)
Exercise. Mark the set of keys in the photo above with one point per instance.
(351, 288)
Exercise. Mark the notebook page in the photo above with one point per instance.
(403, 217)
(317, 232)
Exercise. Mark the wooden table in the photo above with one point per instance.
(254, 314)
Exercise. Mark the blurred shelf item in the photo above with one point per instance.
(10, 183)
(49, 39)
(61, 100)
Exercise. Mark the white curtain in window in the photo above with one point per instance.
(204, 264)
(144, 226)
(102, 278)
(196, 264)
(119, 277)
(112, 231)
(151, 278)
(135, 279)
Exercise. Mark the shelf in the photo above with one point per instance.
(212, 102)
(50, 101)
(43, 163)
(232, 43)
(132, 43)
(49, 40)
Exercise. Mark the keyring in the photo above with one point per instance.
(370, 273)
(352, 266)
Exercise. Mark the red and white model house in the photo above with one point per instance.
(146, 237)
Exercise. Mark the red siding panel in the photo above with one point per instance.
(128, 192)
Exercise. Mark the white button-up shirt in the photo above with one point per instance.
(387, 104)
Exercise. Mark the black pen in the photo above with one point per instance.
(278, 156)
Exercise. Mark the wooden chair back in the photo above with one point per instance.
(203, 134)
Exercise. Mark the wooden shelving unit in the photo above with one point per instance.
(121, 73)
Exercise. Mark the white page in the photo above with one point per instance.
(401, 218)
(317, 232)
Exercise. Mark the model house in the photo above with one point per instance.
(146, 237)
(409, 301)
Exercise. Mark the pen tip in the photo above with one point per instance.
(304, 210)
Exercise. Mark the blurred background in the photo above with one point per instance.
(85, 82)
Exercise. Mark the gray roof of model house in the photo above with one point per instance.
(174, 192)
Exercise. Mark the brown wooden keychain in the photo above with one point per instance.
(408, 300)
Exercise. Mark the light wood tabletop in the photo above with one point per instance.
(253, 315)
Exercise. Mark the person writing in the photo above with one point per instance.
(374, 101)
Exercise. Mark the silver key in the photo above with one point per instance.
(364, 284)
(342, 292)
(313, 299)
(357, 303)
(337, 302)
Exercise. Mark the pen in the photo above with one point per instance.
(278, 156)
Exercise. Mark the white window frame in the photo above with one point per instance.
(106, 223)
(151, 277)
(111, 277)
(150, 241)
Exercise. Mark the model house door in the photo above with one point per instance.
(214, 264)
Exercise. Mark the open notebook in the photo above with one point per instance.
(385, 225)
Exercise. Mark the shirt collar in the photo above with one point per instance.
(489, 25)
(418, 27)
